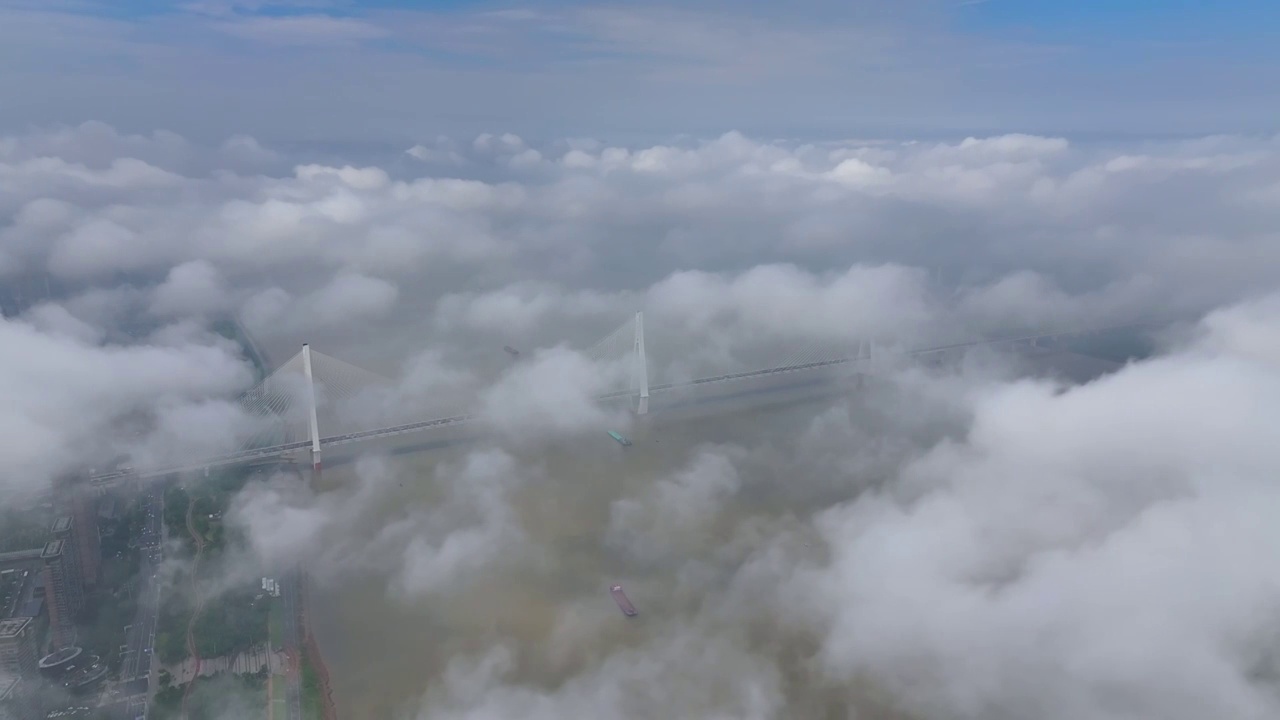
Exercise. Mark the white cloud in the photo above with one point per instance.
(973, 211)
(483, 529)
(347, 298)
(951, 539)
(63, 395)
(979, 548)
(1076, 549)
(780, 300)
(675, 513)
(552, 394)
(519, 308)
(191, 289)
(350, 297)
(472, 533)
(54, 319)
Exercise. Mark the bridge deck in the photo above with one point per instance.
(275, 451)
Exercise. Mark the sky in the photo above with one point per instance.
(394, 72)
(411, 187)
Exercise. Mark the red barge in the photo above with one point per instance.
(623, 603)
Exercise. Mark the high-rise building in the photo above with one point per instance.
(18, 652)
(72, 530)
(84, 510)
(76, 498)
(64, 594)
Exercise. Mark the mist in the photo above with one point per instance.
(987, 538)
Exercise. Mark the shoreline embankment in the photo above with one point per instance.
(311, 651)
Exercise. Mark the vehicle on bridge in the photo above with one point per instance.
(621, 440)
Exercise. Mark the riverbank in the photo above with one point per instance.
(316, 688)
(210, 647)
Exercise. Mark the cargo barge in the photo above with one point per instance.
(623, 603)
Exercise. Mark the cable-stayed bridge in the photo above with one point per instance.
(313, 401)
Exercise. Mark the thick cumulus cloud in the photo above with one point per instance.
(470, 531)
(554, 394)
(1095, 553)
(941, 544)
(313, 245)
(1089, 551)
(64, 393)
(938, 544)
(191, 289)
(675, 512)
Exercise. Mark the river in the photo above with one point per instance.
(384, 653)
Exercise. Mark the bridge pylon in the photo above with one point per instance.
(311, 408)
(640, 369)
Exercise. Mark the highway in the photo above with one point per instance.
(141, 637)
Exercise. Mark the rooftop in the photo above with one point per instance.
(57, 657)
(11, 627)
(52, 549)
(62, 524)
(81, 678)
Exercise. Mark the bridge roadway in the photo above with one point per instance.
(275, 451)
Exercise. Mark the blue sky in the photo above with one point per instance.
(1135, 19)
(346, 70)
(1128, 18)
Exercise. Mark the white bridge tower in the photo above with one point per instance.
(311, 408)
(640, 368)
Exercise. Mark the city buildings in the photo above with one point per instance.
(85, 532)
(18, 581)
(19, 654)
(76, 500)
(68, 528)
(45, 588)
(64, 593)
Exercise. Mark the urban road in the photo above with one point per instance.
(140, 639)
(276, 451)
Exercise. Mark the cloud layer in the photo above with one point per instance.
(511, 236)
(944, 543)
(1097, 553)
